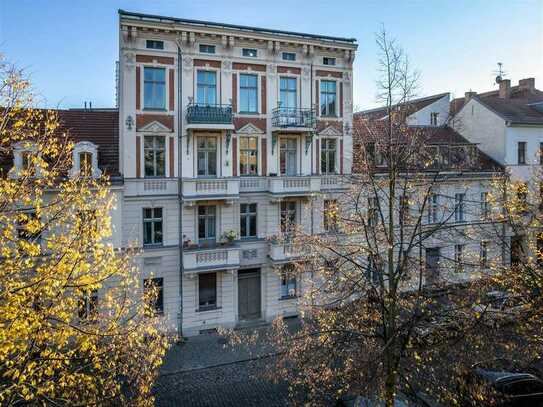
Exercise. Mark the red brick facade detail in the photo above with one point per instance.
(341, 156)
(263, 95)
(234, 92)
(138, 88)
(333, 74)
(138, 157)
(264, 157)
(239, 122)
(244, 67)
(149, 59)
(171, 89)
(322, 124)
(207, 62)
(144, 119)
(341, 100)
(171, 151)
(235, 156)
(289, 69)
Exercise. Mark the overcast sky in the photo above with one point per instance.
(70, 47)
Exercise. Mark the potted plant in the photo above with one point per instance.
(229, 236)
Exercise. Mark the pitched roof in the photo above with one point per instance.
(412, 105)
(432, 136)
(517, 109)
(99, 126)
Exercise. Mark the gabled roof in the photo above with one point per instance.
(413, 106)
(516, 109)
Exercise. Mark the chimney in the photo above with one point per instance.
(469, 95)
(527, 84)
(505, 89)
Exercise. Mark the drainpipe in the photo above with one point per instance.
(180, 184)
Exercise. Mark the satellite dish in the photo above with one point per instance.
(498, 79)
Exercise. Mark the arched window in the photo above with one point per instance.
(85, 160)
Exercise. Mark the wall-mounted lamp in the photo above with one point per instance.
(129, 122)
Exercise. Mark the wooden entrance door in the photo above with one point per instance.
(249, 294)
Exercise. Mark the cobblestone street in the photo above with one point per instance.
(204, 371)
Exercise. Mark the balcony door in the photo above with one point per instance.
(288, 153)
(207, 156)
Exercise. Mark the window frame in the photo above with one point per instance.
(325, 95)
(459, 250)
(247, 90)
(245, 153)
(459, 207)
(246, 52)
(521, 152)
(330, 222)
(153, 221)
(207, 49)
(248, 213)
(289, 281)
(208, 87)
(288, 53)
(485, 205)
(285, 153)
(155, 82)
(434, 118)
(288, 216)
(206, 151)
(210, 224)
(433, 206)
(483, 253)
(326, 151)
(154, 42)
(213, 287)
(155, 150)
(287, 92)
(329, 61)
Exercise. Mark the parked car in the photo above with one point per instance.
(513, 389)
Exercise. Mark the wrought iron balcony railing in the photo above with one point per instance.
(293, 117)
(209, 114)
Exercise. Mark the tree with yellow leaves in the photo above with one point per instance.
(73, 327)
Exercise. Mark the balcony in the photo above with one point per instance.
(286, 119)
(334, 182)
(217, 117)
(217, 258)
(195, 189)
(294, 185)
(150, 186)
(282, 252)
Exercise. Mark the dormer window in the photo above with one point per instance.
(85, 160)
(23, 159)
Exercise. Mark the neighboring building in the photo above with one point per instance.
(427, 111)
(227, 134)
(507, 124)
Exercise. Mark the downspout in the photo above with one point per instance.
(180, 185)
(316, 152)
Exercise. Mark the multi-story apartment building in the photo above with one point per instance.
(228, 134)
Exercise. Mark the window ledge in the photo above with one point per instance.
(153, 246)
(288, 297)
(250, 113)
(152, 109)
(206, 309)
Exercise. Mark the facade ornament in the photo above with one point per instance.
(187, 63)
(227, 65)
(271, 69)
(347, 76)
(306, 72)
(130, 60)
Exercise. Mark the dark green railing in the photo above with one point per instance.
(209, 114)
(293, 117)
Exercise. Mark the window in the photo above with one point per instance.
(154, 44)
(153, 291)
(328, 98)
(206, 88)
(28, 226)
(248, 93)
(247, 219)
(289, 56)
(287, 156)
(288, 282)
(152, 226)
(88, 304)
(27, 162)
(207, 49)
(207, 224)
(328, 61)
(433, 255)
(154, 156)
(287, 92)
(404, 209)
(433, 203)
(522, 196)
(541, 153)
(459, 258)
(207, 291)
(288, 216)
(207, 156)
(373, 214)
(85, 164)
(328, 156)
(483, 254)
(248, 155)
(249, 52)
(154, 88)
(330, 215)
(434, 118)
(485, 205)
(521, 151)
(459, 207)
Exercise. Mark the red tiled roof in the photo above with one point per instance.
(413, 106)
